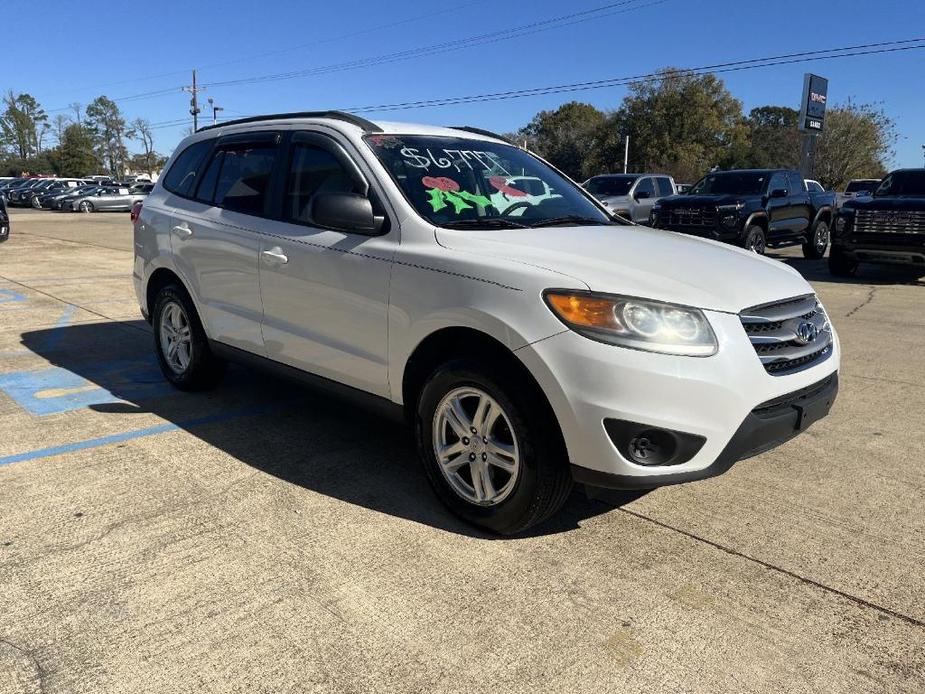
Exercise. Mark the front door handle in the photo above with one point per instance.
(182, 230)
(275, 256)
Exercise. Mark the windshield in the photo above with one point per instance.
(480, 184)
(610, 185)
(910, 183)
(858, 186)
(732, 183)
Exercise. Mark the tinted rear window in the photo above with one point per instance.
(858, 186)
(181, 179)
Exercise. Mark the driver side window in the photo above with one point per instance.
(645, 185)
(778, 181)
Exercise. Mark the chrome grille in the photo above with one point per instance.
(788, 335)
(890, 222)
(692, 216)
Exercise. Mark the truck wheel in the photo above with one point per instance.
(180, 342)
(489, 449)
(815, 247)
(755, 240)
(841, 265)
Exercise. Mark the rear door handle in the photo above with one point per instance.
(182, 230)
(275, 256)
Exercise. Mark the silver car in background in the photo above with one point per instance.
(631, 196)
(105, 199)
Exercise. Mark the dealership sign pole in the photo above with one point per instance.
(812, 119)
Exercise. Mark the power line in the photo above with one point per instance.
(724, 67)
(256, 56)
(735, 66)
(457, 44)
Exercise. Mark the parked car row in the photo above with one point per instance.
(72, 194)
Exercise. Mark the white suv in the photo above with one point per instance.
(532, 340)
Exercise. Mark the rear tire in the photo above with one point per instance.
(181, 344)
(515, 443)
(815, 246)
(756, 240)
(841, 265)
(85, 206)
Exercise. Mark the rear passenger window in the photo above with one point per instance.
(243, 179)
(796, 183)
(181, 178)
(206, 191)
(312, 171)
(664, 186)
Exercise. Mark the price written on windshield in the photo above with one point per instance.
(453, 158)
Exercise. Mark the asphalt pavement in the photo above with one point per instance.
(262, 538)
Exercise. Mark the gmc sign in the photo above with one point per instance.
(815, 96)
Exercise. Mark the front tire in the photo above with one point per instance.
(180, 342)
(493, 454)
(814, 248)
(841, 265)
(755, 240)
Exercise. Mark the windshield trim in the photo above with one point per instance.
(608, 217)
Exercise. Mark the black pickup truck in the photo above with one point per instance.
(752, 208)
(888, 227)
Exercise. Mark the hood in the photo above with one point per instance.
(615, 200)
(701, 200)
(886, 202)
(642, 262)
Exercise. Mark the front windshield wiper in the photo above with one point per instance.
(484, 223)
(571, 219)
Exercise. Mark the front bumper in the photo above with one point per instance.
(767, 426)
(887, 248)
(714, 398)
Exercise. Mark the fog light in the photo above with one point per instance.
(646, 445)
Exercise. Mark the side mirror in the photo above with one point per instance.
(641, 195)
(344, 212)
(779, 193)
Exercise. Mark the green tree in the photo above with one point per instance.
(681, 123)
(569, 137)
(23, 124)
(104, 120)
(774, 140)
(857, 143)
(76, 155)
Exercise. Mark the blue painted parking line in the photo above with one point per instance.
(8, 296)
(136, 434)
(55, 390)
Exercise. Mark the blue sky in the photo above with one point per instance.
(126, 51)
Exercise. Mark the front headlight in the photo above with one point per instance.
(651, 326)
(729, 214)
(841, 222)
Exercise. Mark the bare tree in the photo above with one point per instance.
(140, 129)
(60, 125)
(76, 107)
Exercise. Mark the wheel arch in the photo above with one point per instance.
(759, 218)
(159, 279)
(460, 342)
(823, 214)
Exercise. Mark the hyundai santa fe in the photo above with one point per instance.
(531, 340)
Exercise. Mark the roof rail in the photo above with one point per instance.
(479, 131)
(366, 125)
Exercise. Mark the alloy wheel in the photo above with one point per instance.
(176, 338)
(821, 237)
(476, 447)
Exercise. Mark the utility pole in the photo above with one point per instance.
(626, 154)
(215, 110)
(194, 101)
